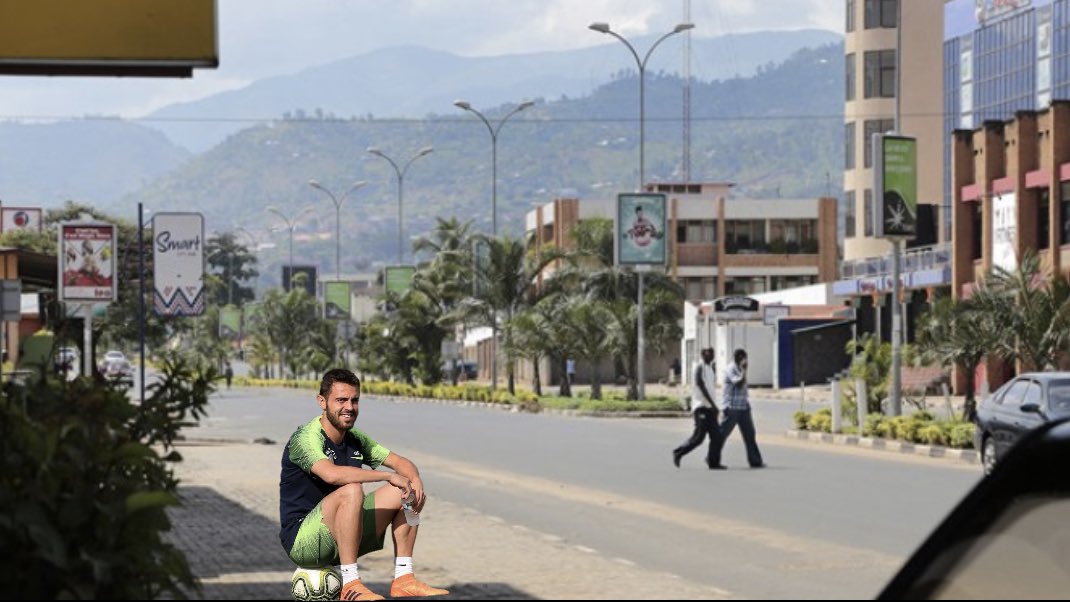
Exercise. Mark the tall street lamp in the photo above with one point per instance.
(400, 171)
(463, 104)
(337, 220)
(291, 223)
(641, 64)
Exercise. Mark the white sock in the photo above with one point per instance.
(350, 572)
(402, 566)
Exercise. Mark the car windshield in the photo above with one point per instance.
(1059, 397)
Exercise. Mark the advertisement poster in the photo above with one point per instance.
(1004, 231)
(178, 264)
(336, 300)
(20, 218)
(229, 322)
(399, 278)
(87, 262)
(896, 172)
(641, 229)
(301, 275)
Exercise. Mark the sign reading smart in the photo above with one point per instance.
(895, 170)
(178, 264)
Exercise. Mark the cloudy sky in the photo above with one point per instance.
(261, 38)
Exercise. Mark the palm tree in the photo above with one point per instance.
(617, 290)
(508, 276)
(1028, 313)
(955, 333)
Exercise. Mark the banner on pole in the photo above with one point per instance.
(178, 264)
(87, 262)
(641, 229)
(336, 300)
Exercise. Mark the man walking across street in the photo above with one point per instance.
(326, 515)
(704, 409)
(737, 410)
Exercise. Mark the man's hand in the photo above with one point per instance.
(405, 485)
(418, 489)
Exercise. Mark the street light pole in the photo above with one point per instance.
(337, 221)
(641, 64)
(464, 104)
(400, 171)
(291, 223)
(256, 253)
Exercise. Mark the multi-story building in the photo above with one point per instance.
(873, 75)
(719, 245)
(1011, 194)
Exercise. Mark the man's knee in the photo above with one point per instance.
(351, 492)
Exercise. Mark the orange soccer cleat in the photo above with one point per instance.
(355, 591)
(409, 586)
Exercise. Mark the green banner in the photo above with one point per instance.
(899, 187)
(336, 303)
(229, 322)
(250, 312)
(399, 278)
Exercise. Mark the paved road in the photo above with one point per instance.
(817, 523)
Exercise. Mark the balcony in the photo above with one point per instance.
(696, 254)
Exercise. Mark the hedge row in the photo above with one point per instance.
(920, 427)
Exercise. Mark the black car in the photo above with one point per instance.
(1019, 406)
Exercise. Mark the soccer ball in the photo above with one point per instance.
(323, 583)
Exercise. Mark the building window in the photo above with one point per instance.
(881, 13)
(745, 285)
(779, 283)
(1043, 218)
(849, 75)
(745, 236)
(696, 231)
(850, 16)
(1064, 212)
(700, 288)
(849, 145)
(867, 215)
(792, 236)
(849, 215)
(870, 127)
(978, 233)
(880, 74)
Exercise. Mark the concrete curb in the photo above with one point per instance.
(516, 409)
(968, 456)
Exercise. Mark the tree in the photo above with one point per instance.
(1028, 313)
(955, 333)
(617, 290)
(229, 264)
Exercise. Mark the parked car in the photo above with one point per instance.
(109, 357)
(465, 370)
(1019, 406)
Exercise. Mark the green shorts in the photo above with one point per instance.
(315, 546)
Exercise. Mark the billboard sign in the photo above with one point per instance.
(1004, 231)
(640, 229)
(895, 171)
(399, 278)
(230, 322)
(87, 262)
(336, 300)
(303, 275)
(178, 264)
(20, 218)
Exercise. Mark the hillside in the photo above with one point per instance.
(779, 131)
(87, 160)
(413, 81)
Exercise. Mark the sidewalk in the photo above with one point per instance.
(228, 528)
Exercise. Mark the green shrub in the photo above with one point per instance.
(961, 434)
(906, 428)
(887, 428)
(872, 426)
(801, 419)
(932, 434)
(83, 492)
(821, 421)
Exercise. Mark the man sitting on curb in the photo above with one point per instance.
(326, 516)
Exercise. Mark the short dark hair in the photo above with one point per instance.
(337, 375)
(739, 355)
